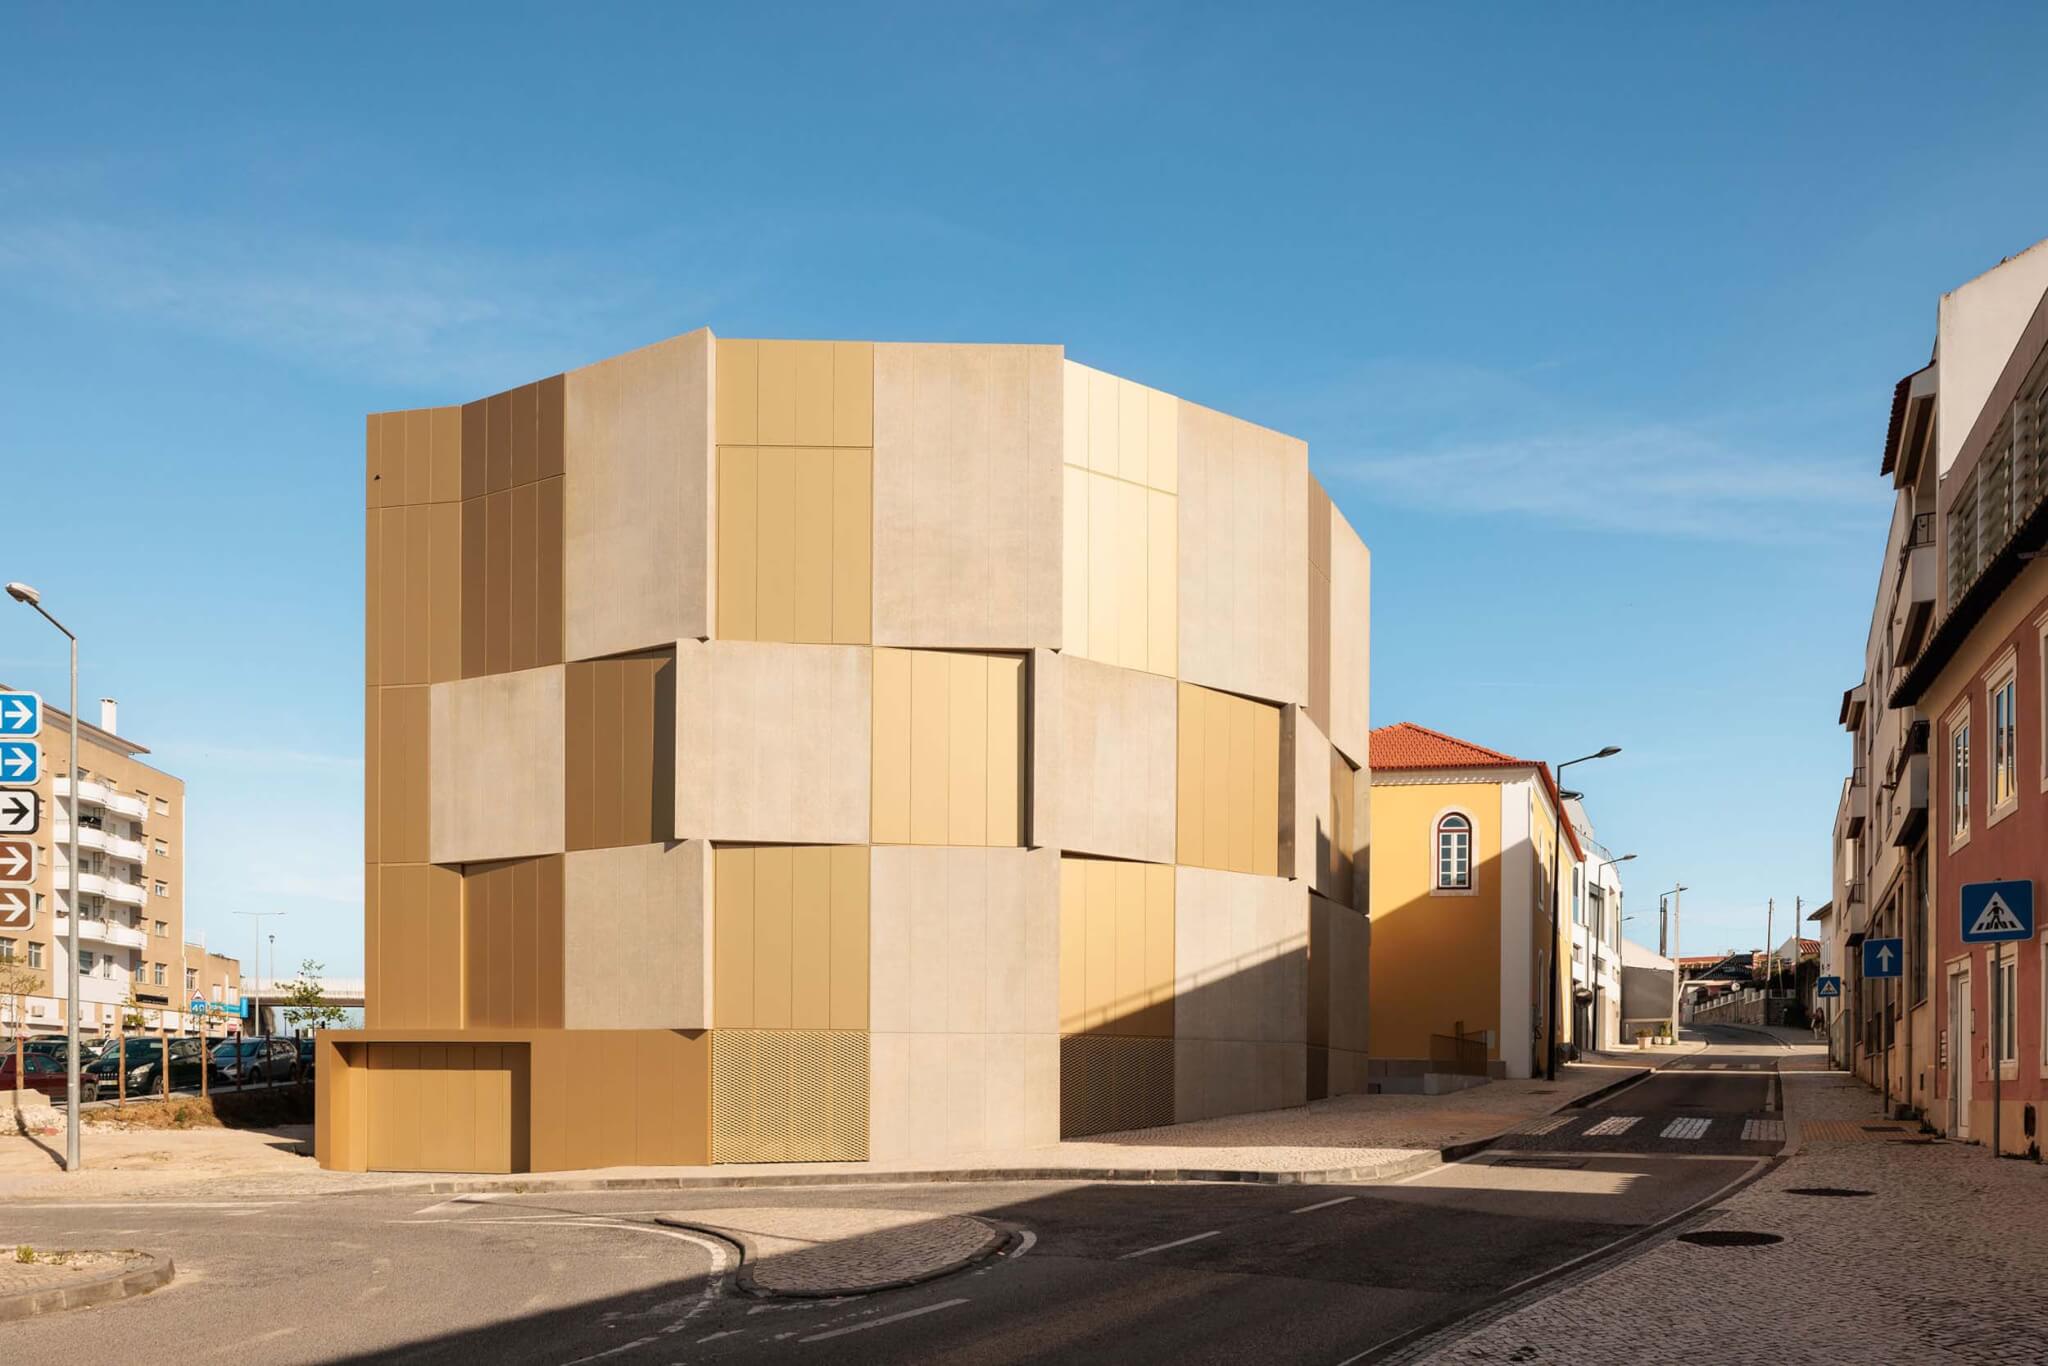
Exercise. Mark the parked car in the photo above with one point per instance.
(39, 1073)
(144, 1060)
(254, 1062)
(306, 1055)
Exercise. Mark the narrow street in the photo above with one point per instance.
(1108, 1271)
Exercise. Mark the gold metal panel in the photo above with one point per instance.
(498, 582)
(1075, 551)
(1162, 583)
(738, 366)
(889, 798)
(1073, 945)
(1133, 419)
(525, 434)
(1163, 464)
(850, 938)
(475, 445)
(1133, 635)
(607, 745)
(548, 603)
(1238, 822)
(738, 539)
(1105, 608)
(930, 737)
(1101, 936)
(775, 582)
(1103, 454)
(444, 606)
(419, 582)
(419, 455)
(1216, 778)
(1264, 830)
(1128, 992)
(373, 761)
(776, 401)
(391, 584)
(814, 393)
(445, 461)
(853, 394)
(1110, 1084)
(810, 939)
(812, 519)
(967, 750)
(475, 542)
(552, 396)
(375, 984)
(373, 597)
(774, 890)
(732, 938)
(524, 594)
(579, 753)
(852, 546)
(1006, 702)
(377, 480)
(498, 442)
(1159, 937)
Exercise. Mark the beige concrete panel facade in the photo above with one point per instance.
(965, 941)
(1121, 549)
(1240, 957)
(1102, 759)
(1307, 804)
(639, 544)
(772, 742)
(967, 499)
(1350, 642)
(1243, 565)
(1214, 1077)
(934, 1095)
(636, 931)
(495, 772)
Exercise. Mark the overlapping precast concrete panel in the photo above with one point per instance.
(638, 516)
(636, 930)
(967, 496)
(963, 1013)
(495, 771)
(1240, 992)
(1243, 605)
(1350, 641)
(1308, 804)
(772, 742)
(1339, 972)
(1102, 760)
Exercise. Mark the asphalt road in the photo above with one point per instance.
(1102, 1272)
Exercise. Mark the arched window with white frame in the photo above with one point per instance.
(1454, 852)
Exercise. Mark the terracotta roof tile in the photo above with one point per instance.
(1407, 745)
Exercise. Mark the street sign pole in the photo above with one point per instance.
(1994, 913)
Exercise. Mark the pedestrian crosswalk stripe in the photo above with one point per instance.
(1763, 1130)
(1619, 1124)
(1718, 1066)
(1548, 1126)
(1692, 1126)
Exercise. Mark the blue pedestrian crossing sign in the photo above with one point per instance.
(21, 715)
(1884, 957)
(1995, 911)
(21, 763)
(1828, 987)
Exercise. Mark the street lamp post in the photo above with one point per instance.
(1599, 933)
(21, 592)
(256, 1020)
(1677, 895)
(1556, 953)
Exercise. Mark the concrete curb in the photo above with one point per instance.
(155, 1271)
(996, 1241)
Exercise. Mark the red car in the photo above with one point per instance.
(42, 1073)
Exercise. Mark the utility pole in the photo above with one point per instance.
(256, 1020)
(1677, 895)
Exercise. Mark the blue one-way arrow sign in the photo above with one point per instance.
(1884, 957)
(1995, 911)
(21, 761)
(21, 714)
(1828, 987)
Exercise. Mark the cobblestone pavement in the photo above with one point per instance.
(1939, 1259)
(842, 1251)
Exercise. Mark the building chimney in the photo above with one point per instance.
(110, 712)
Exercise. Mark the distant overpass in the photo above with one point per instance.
(339, 991)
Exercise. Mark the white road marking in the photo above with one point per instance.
(160, 1204)
(726, 1333)
(1026, 1240)
(461, 1203)
(1618, 1124)
(1548, 1126)
(1310, 1209)
(610, 1351)
(1178, 1242)
(1692, 1127)
(877, 1323)
(1718, 1066)
(1763, 1130)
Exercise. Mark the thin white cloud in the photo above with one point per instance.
(1463, 439)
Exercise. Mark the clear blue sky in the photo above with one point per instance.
(1589, 314)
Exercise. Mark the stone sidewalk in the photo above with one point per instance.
(1350, 1138)
(1934, 1255)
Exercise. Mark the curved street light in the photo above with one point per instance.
(1556, 942)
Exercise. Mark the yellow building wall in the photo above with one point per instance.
(1121, 449)
(1228, 772)
(948, 748)
(795, 491)
(1435, 959)
(1544, 946)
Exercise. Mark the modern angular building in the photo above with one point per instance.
(819, 751)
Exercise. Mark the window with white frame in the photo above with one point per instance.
(1959, 779)
(1454, 852)
(2005, 750)
(191, 978)
(1578, 895)
(35, 954)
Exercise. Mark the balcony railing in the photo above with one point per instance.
(94, 930)
(91, 793)
(91, 837)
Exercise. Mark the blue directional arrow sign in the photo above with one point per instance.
(21, 714)
(21, 761)
(1884, 957)
(1995, 911)
(1828, 987)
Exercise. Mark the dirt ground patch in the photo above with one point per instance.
(267, 1109)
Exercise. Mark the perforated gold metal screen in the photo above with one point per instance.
(789, 1095)
(1112, 1083)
